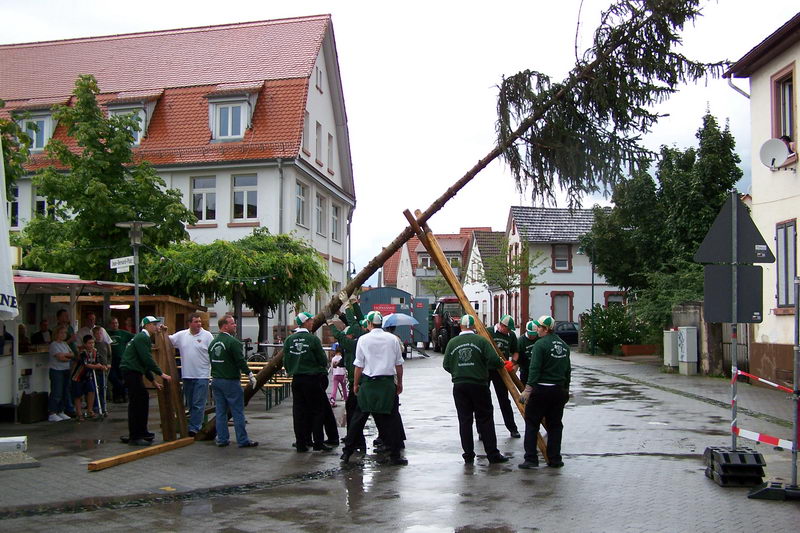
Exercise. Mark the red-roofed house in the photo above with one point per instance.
(248, 120)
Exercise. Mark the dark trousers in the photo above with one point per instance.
(138, 404)
(350, 406)
(328, 418)
(501, 391)
(388, 426)
(308, 404)
(475, 400)
(115, 378)
(545, 402)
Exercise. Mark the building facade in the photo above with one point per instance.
(247, 120)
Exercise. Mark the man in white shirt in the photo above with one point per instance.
(195, 368)
(377, 384)
(88, 326)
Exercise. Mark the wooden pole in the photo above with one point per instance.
(102, 464)
(428, 240)
(170, 399)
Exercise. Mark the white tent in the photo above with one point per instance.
(8, 296)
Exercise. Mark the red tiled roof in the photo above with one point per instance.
(232, 53)
(390, 268)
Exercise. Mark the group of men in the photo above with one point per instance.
(543, 360)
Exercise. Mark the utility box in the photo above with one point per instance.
(671, 348)
(687, 350)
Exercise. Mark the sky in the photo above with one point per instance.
(420, 84)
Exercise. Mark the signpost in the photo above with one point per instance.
(122, 264)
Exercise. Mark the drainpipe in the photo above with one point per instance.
(281, 309)
(735, 88)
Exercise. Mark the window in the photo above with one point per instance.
(786, 238)
(330, 153)
(305, 133)
(137, 114)
(425, 261)
(13, 207)
(229, 121)
(204, 198)
(454, 261)
(245, 198)
(318, 153)
(335, 221)
(43, 207)
(300, 206)
(321, 213)
(39, 129)
(562, 258)
(783, 103)
(614, 298)
(319, 78)
(561, 305)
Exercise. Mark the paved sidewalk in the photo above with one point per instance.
(63, 483)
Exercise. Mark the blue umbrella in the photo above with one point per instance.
(399, 319)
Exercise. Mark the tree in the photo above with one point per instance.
(436, 285)
(260, 270)
(16, 150)
(509, 271)
(97, 185)
(646, 242)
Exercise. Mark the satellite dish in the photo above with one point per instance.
(774, 153)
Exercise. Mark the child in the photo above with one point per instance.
(339, 375)
(82, 382)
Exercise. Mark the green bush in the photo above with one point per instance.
(608, 327)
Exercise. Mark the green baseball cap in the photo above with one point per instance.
(374, 317)
(507, 320)
(150, 320)
(468, 321)
(530, 327)
(301, 318)
(545, 321)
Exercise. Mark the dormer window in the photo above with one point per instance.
(229, 121)
(230, 109)
(39, 128)
(137, 114)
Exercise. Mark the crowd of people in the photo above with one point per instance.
(366, 365)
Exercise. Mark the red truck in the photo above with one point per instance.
(445, 321)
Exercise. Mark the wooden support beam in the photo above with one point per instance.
(428, 239)
(102, 464)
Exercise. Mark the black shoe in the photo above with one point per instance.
(332, 442)
(140, 442)
(322, 448)
(149, 436)
(556, 464)
(124, 439)
(377, 442)
(301, 449)
(469, 458)
(499, 458)
(398, 461)
(529, 465)
(249, 444)
(192, 433)
(345, 457)
(222, 444)
(515, 434)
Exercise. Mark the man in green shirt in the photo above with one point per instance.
(227, 365)
(468, 358)
(306, 363)
(505, 339)
(119, 341)
(137, 363)
(525, 346)
(548, 387)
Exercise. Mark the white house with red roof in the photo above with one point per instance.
(248, 120)
(772, 70)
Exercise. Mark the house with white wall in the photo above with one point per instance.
(247, 120)
(772, 70)
(569, 285)
(485, 245)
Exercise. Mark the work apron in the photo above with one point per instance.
(377, 394)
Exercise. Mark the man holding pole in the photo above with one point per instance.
(468, 358)
(505, 339)
(548, 391)
(193, 344)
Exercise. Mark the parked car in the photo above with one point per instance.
(568, 331)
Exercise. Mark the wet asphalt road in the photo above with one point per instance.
(633, 458)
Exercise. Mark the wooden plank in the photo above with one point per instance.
(428, 240)
(102, 464)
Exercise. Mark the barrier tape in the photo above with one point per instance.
(764, 381)
(761, 437)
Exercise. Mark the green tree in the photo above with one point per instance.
(509, 270)
(436, 285)
(95, 186)
(646, 242)
(260, 270)
(16, 150)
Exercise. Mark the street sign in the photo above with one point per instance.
(717, 246)
(122, 263)
(717, 294)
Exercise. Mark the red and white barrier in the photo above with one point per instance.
(761, 437)
(764, 381)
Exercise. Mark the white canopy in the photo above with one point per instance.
(8, 296)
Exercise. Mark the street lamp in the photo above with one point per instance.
(135, 227)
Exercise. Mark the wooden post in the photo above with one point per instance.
(428, 240)
(170, 399)
(102, 464)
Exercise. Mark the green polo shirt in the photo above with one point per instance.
(468, 358)
(227, 358)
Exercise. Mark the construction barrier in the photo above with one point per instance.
(761, 437)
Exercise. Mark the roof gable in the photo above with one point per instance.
(489, 243)
(550, 224)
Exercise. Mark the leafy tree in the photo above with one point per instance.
(646, 242)
(436, 285)
(97, 185)
(16, 150)
(508, 271)
(260, 270)
(608, 327)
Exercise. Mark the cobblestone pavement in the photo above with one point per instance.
(633, 444)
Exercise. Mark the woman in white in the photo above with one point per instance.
(60, 357)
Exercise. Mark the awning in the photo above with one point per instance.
(51, 285)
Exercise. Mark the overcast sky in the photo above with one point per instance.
(420, 83)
